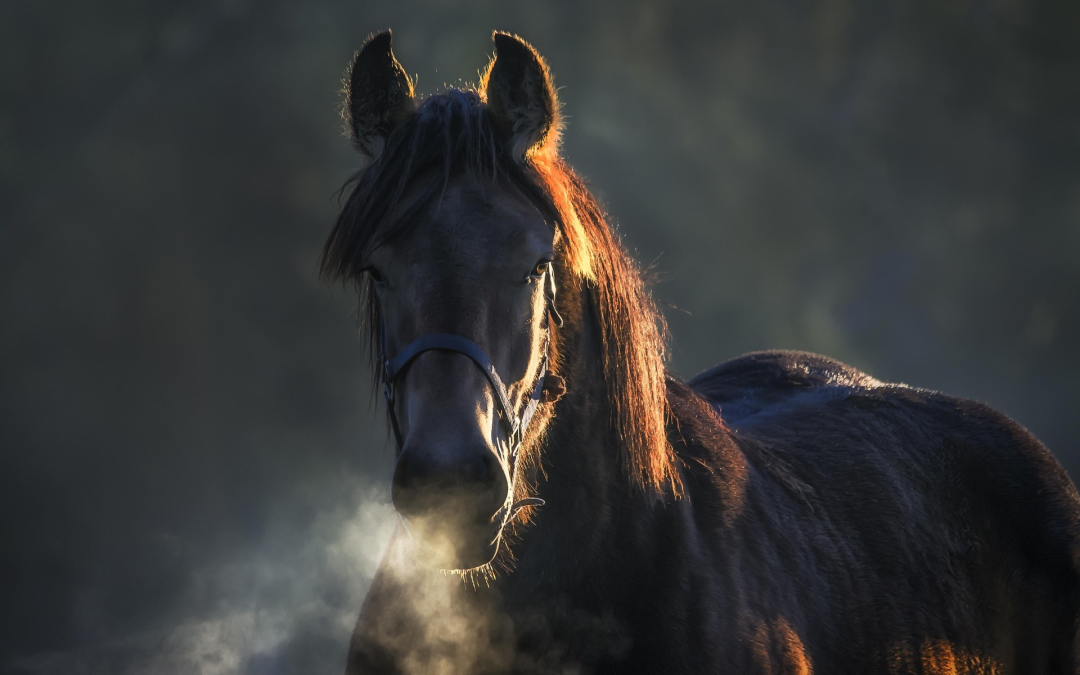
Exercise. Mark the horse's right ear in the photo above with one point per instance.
(520, 94)
(378, 95)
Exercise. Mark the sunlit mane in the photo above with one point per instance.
(452, 133)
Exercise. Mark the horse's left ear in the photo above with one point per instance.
(518, 88)
(378, 95)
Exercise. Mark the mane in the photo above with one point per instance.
(453, 132)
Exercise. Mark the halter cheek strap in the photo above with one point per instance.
(514, 425)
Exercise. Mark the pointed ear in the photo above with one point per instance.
(378, 95)
(518, 88)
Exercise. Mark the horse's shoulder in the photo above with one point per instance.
(754, 383)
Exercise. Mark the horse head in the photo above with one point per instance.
(456, 255)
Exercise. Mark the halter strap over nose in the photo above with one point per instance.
(515, 427)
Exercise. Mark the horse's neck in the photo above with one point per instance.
(582, 480)
(592, 508)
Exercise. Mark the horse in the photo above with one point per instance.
(566, 506)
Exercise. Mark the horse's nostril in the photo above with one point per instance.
(483, 470)
(462, 484)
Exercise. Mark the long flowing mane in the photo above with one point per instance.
(452, 133)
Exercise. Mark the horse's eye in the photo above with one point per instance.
(374, 275)
(538, 271)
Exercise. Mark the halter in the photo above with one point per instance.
(513, 424)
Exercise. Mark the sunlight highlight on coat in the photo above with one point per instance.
(940, 657)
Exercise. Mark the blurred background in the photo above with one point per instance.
(192, 472)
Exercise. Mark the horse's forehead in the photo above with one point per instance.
(477, 223)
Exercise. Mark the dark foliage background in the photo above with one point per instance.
(190, 466)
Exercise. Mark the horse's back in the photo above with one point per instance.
(948, 508)
(760, 382)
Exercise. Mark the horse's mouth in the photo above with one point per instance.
(453, 546)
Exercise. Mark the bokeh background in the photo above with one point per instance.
(192, 472)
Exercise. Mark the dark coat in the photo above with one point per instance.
(831, 523)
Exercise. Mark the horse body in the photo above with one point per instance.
(831, 523)
(781, 513)
(892, 529)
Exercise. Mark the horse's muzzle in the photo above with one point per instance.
(448, 502)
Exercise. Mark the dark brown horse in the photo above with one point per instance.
(566, 507)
